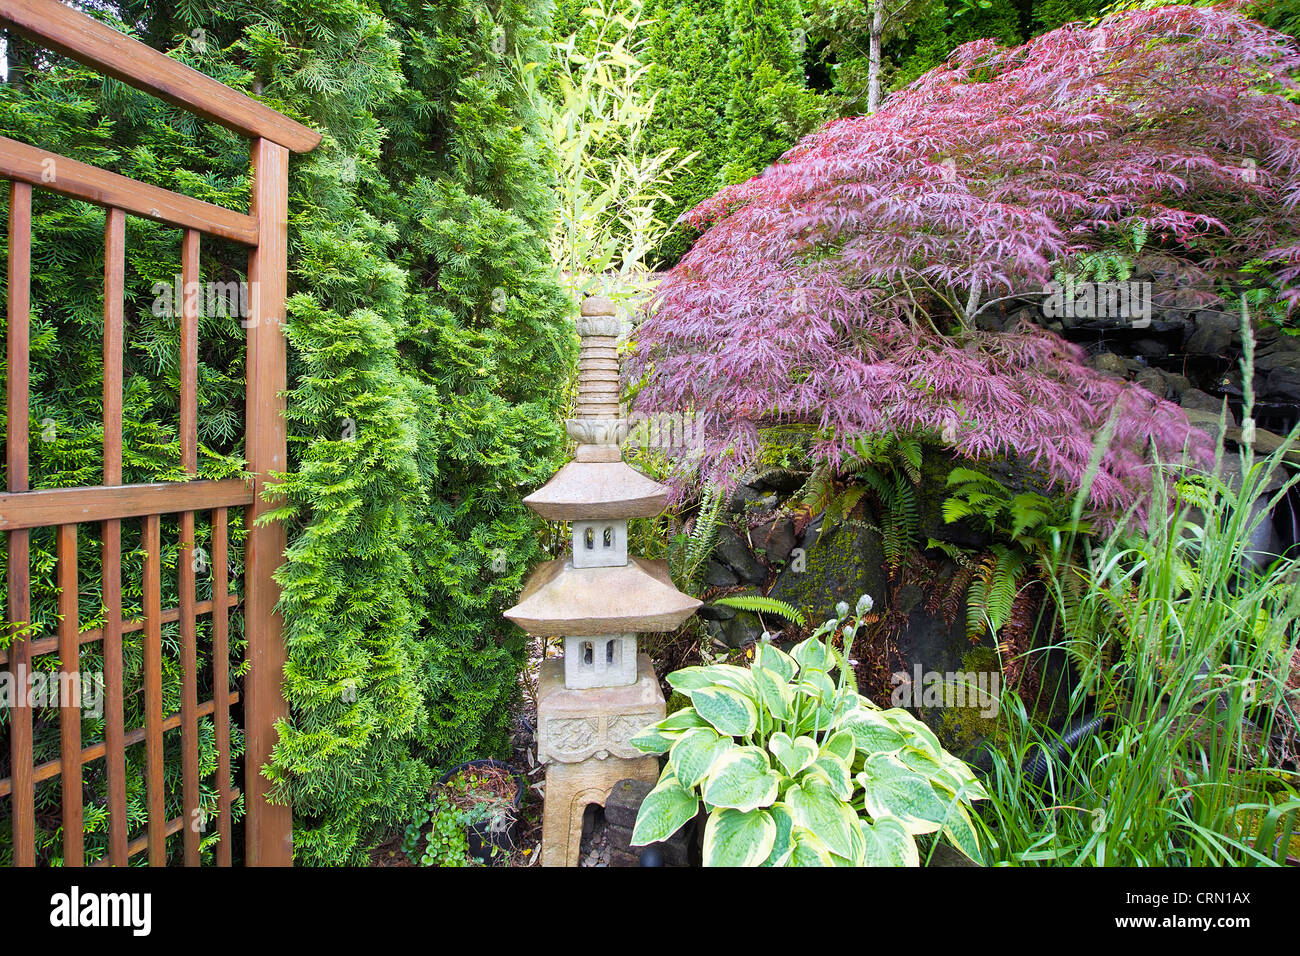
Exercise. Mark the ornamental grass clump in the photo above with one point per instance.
(839, 289)
(795, 768)
(1182, 638)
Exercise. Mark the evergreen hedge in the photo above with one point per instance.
(429, 348)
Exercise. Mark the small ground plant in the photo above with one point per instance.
(470, 799)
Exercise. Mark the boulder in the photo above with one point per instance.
(1108, 363)
(1272, 360)
(716, 612)
(930, 496)
(1193, 399)
(746, 628)
(1212, 333)
(782, 480)
(1150, 349)
(1207, 422)
(1176, 383)
(733, 551)
(749, 498)
(718, 575)
(1154, 381)
(774, 540)
(935, 650)
(841, 565)
(1283, 385)
(621, 809)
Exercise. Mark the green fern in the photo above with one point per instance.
(1027, 526)
(890, 468)
(764, 605)
(699, 545)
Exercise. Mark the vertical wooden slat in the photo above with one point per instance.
(153, 718)
(69, 696)
(189, 416)
(19, 608)
(114, 721)
(269, 828)
(221, 680)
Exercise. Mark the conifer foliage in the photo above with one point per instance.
(837, 289)
(426, 331)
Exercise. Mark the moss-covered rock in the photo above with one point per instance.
(841, 565)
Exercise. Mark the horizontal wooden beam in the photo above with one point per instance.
(49, 645)
(65, 30)
(52, 768)
(50, 171)
(55, 506)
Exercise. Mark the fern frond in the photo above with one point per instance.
(764, 605)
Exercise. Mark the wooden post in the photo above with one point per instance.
(20, 598)
(189, 435)
(269, 828)
(114, 725)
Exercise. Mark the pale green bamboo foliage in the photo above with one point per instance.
(1179, 635)
(596, 110)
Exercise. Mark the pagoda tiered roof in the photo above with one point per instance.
(560, 600)
(593, 490)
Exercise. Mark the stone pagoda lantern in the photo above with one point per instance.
(602, 693)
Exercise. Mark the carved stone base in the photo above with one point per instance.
(571, 788)
(583, 738)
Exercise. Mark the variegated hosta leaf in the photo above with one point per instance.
(971, 788)
(872, 733)
(655, 741)
(690, 679)
(694, 753)
(774, 693)
(683, 719)
(742, 779)
(950, 773)
(816, 684)
(783, 845)
(777, 661)
(918, 734)
(922, 762)
(731, 713)
(664, 811)
(888, 844)
(792, 755)
(845, 703)
(866, 703)
(738, 679)
(816, 720)
(836, 773)
(962, 834)
(841, 745)
(812, 655)
(816, 808)
(891, 789)
(738, 838)
(808, 849)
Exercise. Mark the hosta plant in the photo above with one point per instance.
(795, 768)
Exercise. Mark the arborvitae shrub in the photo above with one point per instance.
(429, 343)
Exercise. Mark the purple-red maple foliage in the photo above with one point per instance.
(835, 289)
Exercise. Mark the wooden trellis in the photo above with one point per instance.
(268, 828)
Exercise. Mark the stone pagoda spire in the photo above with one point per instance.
(597, 597)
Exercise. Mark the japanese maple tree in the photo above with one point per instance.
(837, 289)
